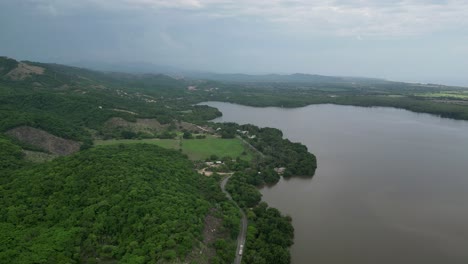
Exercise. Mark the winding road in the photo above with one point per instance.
(243, 229)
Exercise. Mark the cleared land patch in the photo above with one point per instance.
(196, 149)
(165, 143)
(23, 71)
(44, 140)
(458, 95)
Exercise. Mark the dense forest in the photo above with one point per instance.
(132, 203)
(11, 157)
(276, 151)
(269, 234)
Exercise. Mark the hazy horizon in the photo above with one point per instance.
(412, 40)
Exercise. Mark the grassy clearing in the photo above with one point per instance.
(165, 143)
(461, 95)
(196, 149)
(395, 95)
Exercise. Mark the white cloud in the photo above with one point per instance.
(384, 18)
(365, 18)
(185, 4)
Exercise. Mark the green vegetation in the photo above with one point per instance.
(11, 157)
(448, 95)
(269, 236)
(201, 149)
(75, 103)
(276, 152)
(286, 98)
(165, 143)
(132, 203)
(7, 65)
(440, 100)
(38, 156)
(127, 199)
(195, 149)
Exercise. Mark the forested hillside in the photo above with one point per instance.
(75, 103)
(134, 204)
(123, 203)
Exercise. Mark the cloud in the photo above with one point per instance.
(346, 37)
(384, 18)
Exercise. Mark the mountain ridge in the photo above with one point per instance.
(104, 71)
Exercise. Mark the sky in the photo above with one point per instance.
(407, 40)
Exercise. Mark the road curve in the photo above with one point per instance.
(243, 230)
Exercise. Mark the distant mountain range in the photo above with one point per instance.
(278, 78)
(145, 68)
(128, 67)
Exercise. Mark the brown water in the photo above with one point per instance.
(391, 185)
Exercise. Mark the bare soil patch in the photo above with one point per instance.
(151, 125)
(141, 125)
(44, 140)
(194, 128)
(212, 228)
(211, 232)
(23, 71)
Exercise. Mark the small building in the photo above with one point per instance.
(244, 132)
(280, 170)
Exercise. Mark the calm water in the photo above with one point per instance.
(391, 185)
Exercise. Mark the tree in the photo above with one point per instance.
(187, 135)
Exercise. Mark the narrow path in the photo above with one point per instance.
(251, 147)
(243, 229)
(203, 129)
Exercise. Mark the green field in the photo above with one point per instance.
(196, 149)
(165, 143)
(461, 95)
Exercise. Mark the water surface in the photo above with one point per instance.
(391, 185)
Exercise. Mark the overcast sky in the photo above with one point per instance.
(410, 40)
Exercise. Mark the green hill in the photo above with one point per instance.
(108, 204)
(74, 103)
(133, 203)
